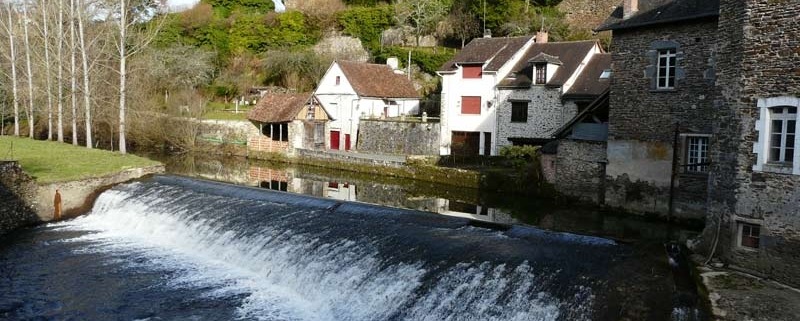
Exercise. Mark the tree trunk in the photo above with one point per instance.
(31, 116)
(48, 74)
(59, 56)
(123, 26)
(72, 73)
(14, 80)
(86, 92)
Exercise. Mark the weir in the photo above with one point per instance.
(219, 251)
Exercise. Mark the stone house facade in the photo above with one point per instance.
(754, 199)
(351, 90)
(530, 110)
(661, 106)
(287, 122)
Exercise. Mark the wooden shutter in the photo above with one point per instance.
(472, 71)
(471, 105)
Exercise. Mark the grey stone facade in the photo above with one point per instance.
(643, 119)
(16, 187)
(758, 59)
(546, 113)
(398, 137)
(580, 169)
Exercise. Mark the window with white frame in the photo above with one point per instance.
(782, 134)
(696, 154)
(665, 72)
(541, 74)
(777, 135)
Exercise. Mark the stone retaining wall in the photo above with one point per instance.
(398, 137)
(15, 186)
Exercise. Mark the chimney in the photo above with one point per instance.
(541, 37)
(487, 33)
(393, 62)
(629, 8)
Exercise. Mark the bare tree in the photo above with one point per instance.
(31, 120)
(463, 24)
(48, 75)
(9, 28)
(73, 73)
(86, 88)
(60, 79)
(423, 15)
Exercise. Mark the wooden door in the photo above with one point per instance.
(346, 141)
(335, 139)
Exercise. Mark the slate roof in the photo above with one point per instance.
(377, 80)
(653, 12)
(545, 58)
(570, 53)
(278, 108)
(596, 106)
(589, 82)
(495, 51)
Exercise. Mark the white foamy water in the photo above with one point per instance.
(283, 274)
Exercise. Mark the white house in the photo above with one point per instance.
(469, 91)
(350, 91)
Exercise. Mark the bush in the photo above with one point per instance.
(367, 23)
(519, 156)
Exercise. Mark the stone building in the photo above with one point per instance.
(754, 199)
(660, 107)
(287, 122)
(552, 83)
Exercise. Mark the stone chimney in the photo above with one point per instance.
(629, 8)
(393, 62)
(487, 33)
(541, 37)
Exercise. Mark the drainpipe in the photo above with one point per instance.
(674, 175)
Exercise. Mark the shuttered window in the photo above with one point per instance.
(472, 71)
(471, 105)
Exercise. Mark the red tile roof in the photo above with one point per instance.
(376, 80)
(278, 108)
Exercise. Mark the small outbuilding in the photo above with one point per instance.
(287, 122)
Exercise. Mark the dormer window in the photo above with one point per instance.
(540, 74)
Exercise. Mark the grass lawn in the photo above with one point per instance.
(56, 162)
(221, 111)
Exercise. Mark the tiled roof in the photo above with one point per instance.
(496, 51)
(599, 105)
(374, 80)
(589, 82)
(653, 12)
(570, 53)
(545, 58)
(278, 108)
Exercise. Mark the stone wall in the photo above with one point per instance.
(759, 58)
(580, 169)
(398, 137)
(15, 187)
(643, 120)
(546, 113)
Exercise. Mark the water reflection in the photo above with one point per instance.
(425, 196)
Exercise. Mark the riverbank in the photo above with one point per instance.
(31, 171)
(738, 296)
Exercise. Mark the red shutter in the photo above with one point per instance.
(471, 105)
(473, 71)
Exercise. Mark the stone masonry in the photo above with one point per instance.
(546, 113)
(398, 137)
(759, 59)
(643, 120)
(15, 187)
(581, 169)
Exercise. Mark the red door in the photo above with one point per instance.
(334, 139)
(346, 141)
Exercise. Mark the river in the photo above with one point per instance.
(298, 243)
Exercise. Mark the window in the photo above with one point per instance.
(312, 111)
(541, 74)
(276, 131)
(782, 131)
(749, 235)
(519, 112)
(471, 105)
(472, 71)
(696, 154)
(665, 77)
(338, 80)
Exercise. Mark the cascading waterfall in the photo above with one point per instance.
(276, 256)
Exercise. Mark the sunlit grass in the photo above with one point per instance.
(221, 111)
(56, 162)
